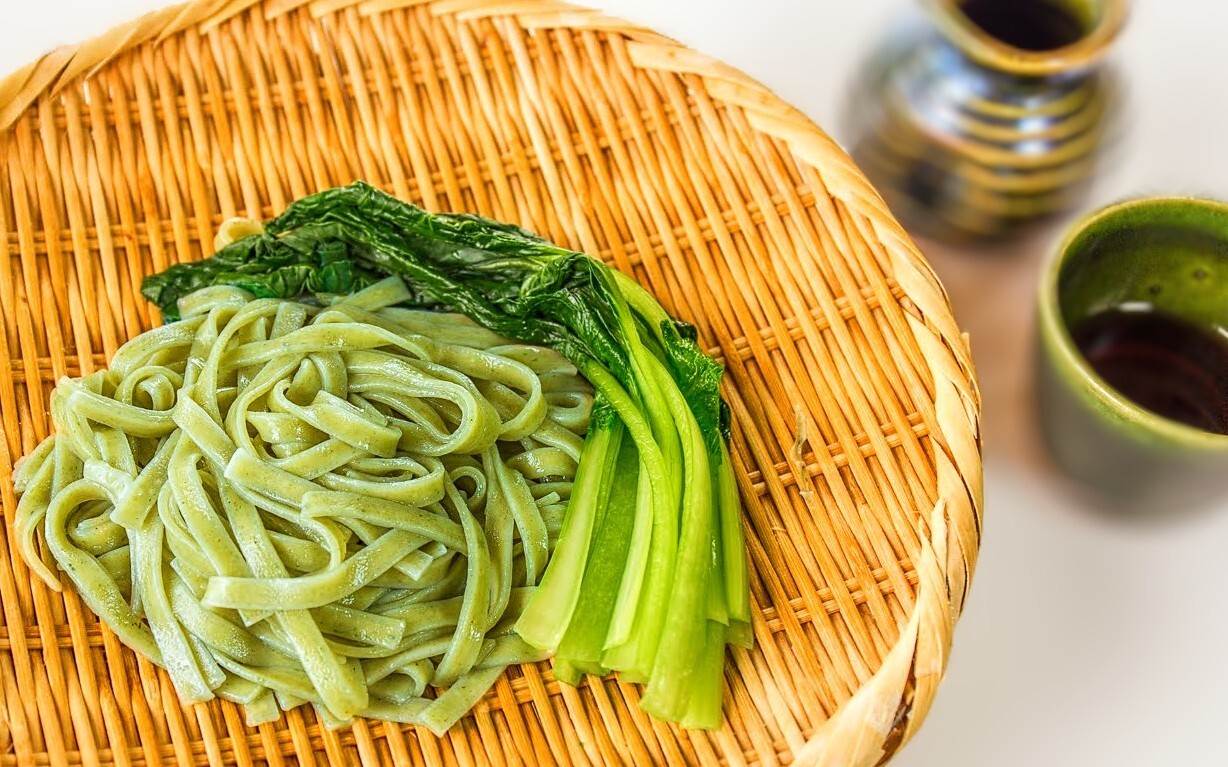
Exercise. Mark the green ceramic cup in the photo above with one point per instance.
(1167, 253)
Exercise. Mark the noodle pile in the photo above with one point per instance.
(345, 505)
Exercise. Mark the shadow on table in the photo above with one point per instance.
(992, 288)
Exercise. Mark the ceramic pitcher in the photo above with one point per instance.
(990, 114)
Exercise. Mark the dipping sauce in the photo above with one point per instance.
(1165, 364)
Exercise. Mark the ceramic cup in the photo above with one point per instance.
(1141, 260)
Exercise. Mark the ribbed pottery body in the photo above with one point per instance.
(967, 140)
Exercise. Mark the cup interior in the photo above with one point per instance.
(1149, 278)
(1169, 255)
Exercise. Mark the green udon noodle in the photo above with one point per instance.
(345, 505)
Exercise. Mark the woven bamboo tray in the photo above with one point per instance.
(855, 407)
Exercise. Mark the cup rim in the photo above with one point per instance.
(1053, 325)
(989, 50)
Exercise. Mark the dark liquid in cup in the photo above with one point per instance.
(1031, 25)
(1167, 365)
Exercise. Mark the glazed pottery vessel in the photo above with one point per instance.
(1167, 256)
(989, 114)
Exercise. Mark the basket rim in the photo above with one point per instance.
(890, 706)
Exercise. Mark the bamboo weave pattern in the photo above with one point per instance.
(855, 407)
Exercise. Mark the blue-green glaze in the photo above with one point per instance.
(1171, 253)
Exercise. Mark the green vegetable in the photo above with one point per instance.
(649, 574)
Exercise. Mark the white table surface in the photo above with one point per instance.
(1084, 642)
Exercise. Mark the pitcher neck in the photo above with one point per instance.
(1031, 38)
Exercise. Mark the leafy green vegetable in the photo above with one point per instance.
(649, 575)
(263, 270)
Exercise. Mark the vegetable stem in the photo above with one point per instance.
(545, 619)
(584, 642)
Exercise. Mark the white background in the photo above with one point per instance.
(1085, 642)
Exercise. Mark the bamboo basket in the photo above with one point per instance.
(855, 441)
